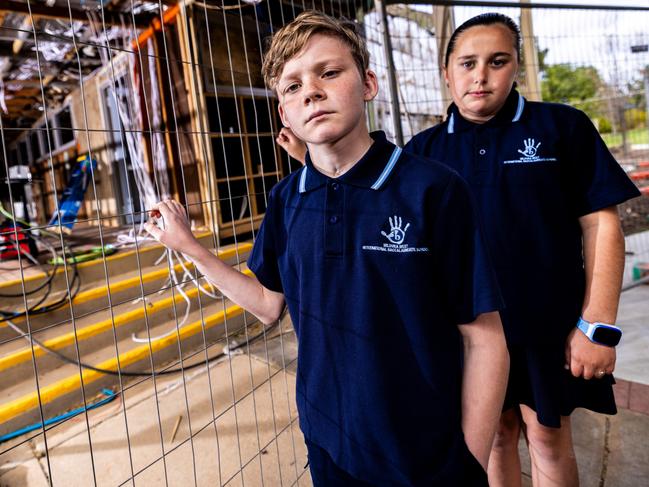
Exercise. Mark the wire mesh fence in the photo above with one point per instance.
(119, 363)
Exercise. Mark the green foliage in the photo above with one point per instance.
(635, 118)
(636, 136)
(603, 124)
(563, 83)
(637, 88)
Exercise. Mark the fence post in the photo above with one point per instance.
(392, 77)
(530, 54)
(646, 94)
(444, 27)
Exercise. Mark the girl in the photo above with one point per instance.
(547, 187)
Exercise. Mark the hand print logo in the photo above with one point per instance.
(397, 234)
(530, 149)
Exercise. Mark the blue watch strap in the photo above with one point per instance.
(583, 325)
(593, 332)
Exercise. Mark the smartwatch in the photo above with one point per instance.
(600, 333)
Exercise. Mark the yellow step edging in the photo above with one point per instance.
(90, 263)
(69, 384)
(152, 276)
(124, 284)
(84, 333)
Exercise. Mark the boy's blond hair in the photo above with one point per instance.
(291, 39)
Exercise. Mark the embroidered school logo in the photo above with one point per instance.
(395, 238)
(396, 234)
(530, 148)
(529, 153)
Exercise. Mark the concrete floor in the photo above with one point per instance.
(253, 404)
(633, 351)
(232, 425)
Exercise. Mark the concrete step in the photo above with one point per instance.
(123, 288)
(59, 388)
(96, 330)
(93, 271)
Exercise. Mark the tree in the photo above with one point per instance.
(576, 86)
(565, 84)
(636, 89)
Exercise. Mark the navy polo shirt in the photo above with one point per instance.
(534, 169)
(377, 267)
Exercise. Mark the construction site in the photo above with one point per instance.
(119, 363)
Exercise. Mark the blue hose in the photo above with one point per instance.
(106, 392)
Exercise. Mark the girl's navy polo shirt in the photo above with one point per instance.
(534, 169)
(378, 267)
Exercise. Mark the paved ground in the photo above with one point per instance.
(221, 452)
(612, 451)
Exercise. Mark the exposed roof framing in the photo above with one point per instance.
(29, 81)
(64, 10)
(518, 4)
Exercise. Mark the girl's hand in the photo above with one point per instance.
(587, 359)
(174, 230)
(291, 144)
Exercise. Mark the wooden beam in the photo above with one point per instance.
(20, 40)
(156, 25)
(424, 20)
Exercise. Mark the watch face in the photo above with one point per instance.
(607, 335)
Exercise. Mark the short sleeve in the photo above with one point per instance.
(468, 278)
(596, 178)
(263, 260)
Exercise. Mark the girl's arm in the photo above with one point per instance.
(603, 243)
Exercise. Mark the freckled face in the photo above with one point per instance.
(481, 71)
(322, 94)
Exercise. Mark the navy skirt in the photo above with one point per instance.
(538, 379)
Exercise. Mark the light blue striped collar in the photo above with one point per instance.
(517, 116)
(451, 124)
(519, 108)
(387, 170)
(302, 185)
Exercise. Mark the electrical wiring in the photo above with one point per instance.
(178, 284)
(187, 274)
(50, 275)
(36, 308)
(179, 288)
(109, 396)
(227, 351)
(75, 284)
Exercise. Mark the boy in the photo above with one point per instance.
(377, 255)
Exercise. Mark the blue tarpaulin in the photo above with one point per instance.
(73, 195)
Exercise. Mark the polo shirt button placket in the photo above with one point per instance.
(334, 213)
(481, 157)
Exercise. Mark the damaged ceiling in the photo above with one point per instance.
(70, 37)
(45, 25)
